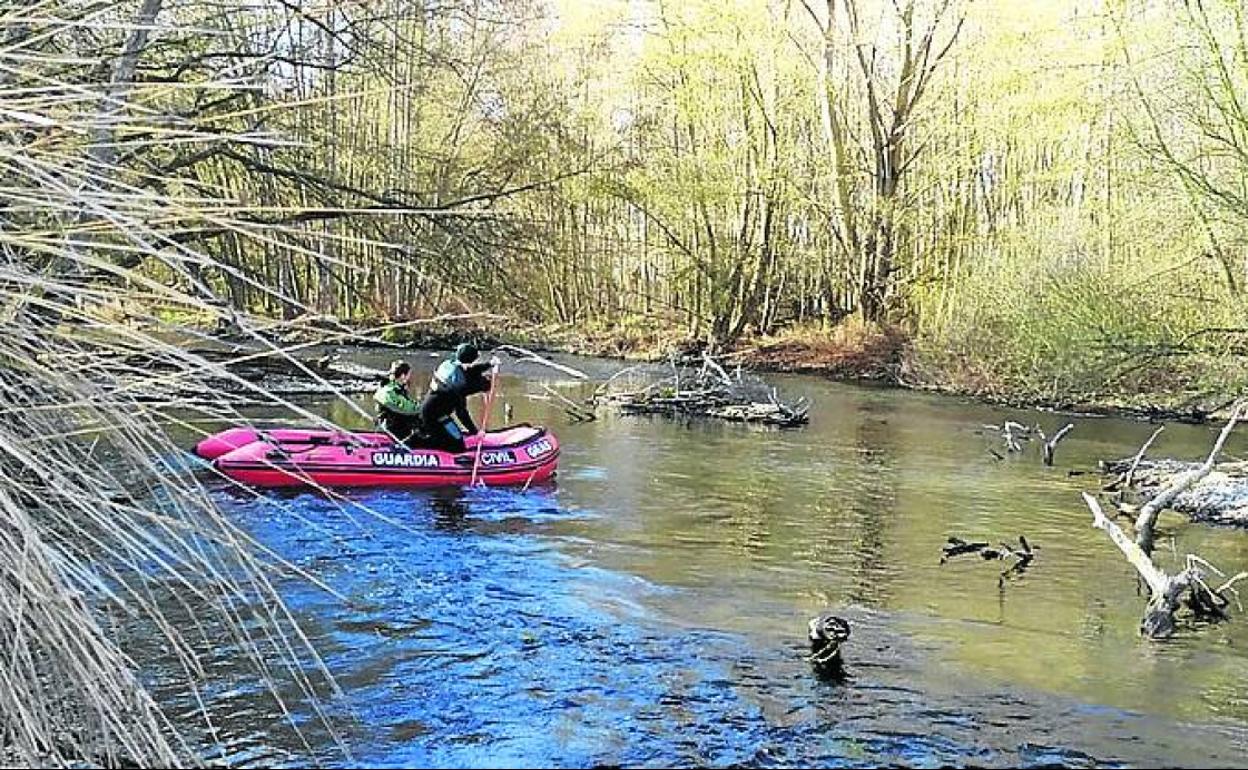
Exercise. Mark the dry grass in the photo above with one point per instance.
(109, 544)
(851, 350)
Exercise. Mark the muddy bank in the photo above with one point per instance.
(874, 356)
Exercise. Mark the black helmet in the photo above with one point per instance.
(466, 353)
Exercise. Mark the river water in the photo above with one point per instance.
(649, 606)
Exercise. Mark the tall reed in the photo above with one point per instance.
(112, 552)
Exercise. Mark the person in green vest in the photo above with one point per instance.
(397, 413)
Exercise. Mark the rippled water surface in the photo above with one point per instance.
(649, 607)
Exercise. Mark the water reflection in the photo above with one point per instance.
(450, 510)
(871, 508)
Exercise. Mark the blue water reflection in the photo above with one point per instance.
(466, 636)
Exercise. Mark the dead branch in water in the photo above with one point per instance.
(1023, 555)
(1167, 593)
(956, 546)
(1135, 463)
(576, 412)
(1013, 434)
(1148, 514)
(526, 355)
(1012, 441)
(1051, 444)
(710, 392)
(709, 364)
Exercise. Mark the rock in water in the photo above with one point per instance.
(827, 633)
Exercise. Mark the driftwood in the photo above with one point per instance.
(1022, 556)
(1221, 497)
(1168, 593)
(1148, 514)
(1209, 491)
(709, 392)
(1013, 434)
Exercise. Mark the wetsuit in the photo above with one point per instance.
(397, 413)
(448, 395)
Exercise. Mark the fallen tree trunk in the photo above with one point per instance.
(1168, 593)
(1164, 591)
(1210, 492)
(1148, 514)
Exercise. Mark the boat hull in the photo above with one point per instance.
(520, 455)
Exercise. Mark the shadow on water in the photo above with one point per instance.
(650, 608)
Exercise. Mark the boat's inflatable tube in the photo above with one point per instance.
(290, 457)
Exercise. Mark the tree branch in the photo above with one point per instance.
(1148, 514)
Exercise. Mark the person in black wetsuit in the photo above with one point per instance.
(397, 413)
(454, 381)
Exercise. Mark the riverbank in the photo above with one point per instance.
(849, 352)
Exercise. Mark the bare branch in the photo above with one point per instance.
(1051, 444)
(1140, 455)
(1148, 514)
(1157, 580)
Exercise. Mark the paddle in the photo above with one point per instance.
(485, 419)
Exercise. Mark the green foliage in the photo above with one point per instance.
(1076, 329)
(573, 164)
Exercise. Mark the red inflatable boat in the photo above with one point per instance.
(289, 458)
